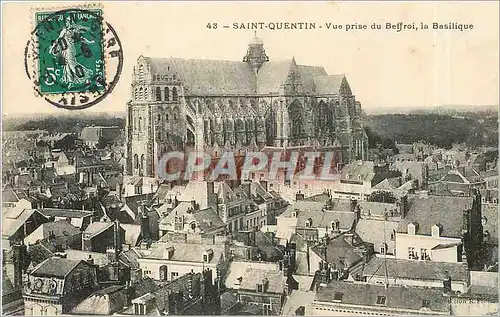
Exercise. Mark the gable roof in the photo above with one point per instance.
(396, 297)
(208, 219)
(185, 252)
(55, 267)
(338, 252)
(419, 270)
(238, 269)
(328, 84)
(272, 75)
(66, 213)
(57, 228)
(208, 77)
(106, 301)
(372, 231)
(97, 227)
(14, 219)
(431, 210)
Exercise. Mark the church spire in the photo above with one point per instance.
(256, 55)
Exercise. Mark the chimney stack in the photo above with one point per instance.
(447, 284)
(117, 239)
(145, 232)
(263, 183)
(247, 185)
(19, 259)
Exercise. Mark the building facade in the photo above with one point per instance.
(214, 106)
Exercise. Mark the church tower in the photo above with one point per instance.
(256, 55)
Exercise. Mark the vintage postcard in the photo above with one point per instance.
(250, 158)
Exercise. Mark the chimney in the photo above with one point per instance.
(447, 284)
(263, 183)
(19, 259)
(194, 205)
(299, 196)
(145, 232)
(117, 239)
(190, 284)
(461, 170)
(247, 185)
(120, 189)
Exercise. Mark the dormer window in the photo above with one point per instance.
(259, 288)
(383, 248)
(294, 214)
(426, 303)
(412, 228)
(139, 309)
(169, 253)
(337, 297)
(208, 255)
(381, 300)
(309, 223)
(436, 230)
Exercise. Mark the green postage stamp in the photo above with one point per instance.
(70, 51)
(74, 57)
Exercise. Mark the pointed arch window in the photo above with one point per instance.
(140, 123)
(136, 93)
(141, 72)
(174, 94)
(167, 94)
(136, 161)
(141, 94)
(143, 161)
(158, 93)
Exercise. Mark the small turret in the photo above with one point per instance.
(256, 55)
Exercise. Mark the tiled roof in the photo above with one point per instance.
(9, 196)
(303, 206)
(431, 210)
(324, 219)
(308, 73)
(223, 77)
(208, 219)
(338, 252)
(372, 231)
(276, 280)
(132, 234)
(97, 227)
(359, 171)
(190, 252)
(328, 84)
(272, 75)
(250, 273)
(396, 297)
(377, 208)
(100, 259)
(55, 267)
(106, 301)
(58, 228)
(67, 213)
(418, 270)
(295, 300)
(14, 219)
(87, 161)
(39, 253)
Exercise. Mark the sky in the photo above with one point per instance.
(384, 68)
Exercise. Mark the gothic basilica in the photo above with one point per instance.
(216, 106)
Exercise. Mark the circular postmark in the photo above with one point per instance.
(74, 57)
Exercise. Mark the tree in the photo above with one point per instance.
(382, 196)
